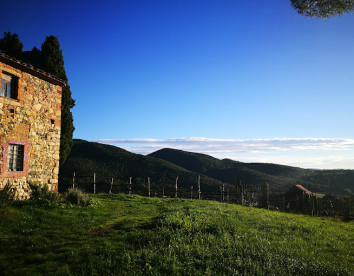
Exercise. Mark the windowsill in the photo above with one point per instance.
(14, 174)
(10, 100)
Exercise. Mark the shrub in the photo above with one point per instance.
(41, 194)
(7, 196)
(77, 197)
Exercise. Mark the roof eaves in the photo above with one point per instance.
(32, 70)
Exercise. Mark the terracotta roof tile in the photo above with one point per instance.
(303, 189)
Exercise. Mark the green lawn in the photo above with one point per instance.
(133, 235)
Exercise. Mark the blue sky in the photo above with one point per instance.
(170, 73)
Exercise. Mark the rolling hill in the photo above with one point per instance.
(87, 158)
(163, 166)
(279, 177)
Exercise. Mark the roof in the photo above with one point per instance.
(31, 70)
(303, 189)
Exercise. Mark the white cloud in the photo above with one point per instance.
(201, 144)
(315, 162)
(302, 152)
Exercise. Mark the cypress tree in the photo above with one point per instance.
(33, 57)
(53, 62)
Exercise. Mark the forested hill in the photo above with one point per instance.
(87, 158)
(280, 177)
(163, 166)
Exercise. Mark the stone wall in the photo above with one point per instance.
(31, 120)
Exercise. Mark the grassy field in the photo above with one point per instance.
(133, 235)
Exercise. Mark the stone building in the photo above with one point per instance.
(30, 114)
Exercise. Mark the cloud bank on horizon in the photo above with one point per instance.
(321, 153)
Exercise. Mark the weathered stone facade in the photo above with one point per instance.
(30, 120)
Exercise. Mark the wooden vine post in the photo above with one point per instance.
(222, 193)
(94, 183)
(73, 180)
(110, 190)
(176, 193)
(149, 187)
(199, 191)
(239, 192)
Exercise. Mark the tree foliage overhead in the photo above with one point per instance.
(49, 59)
(11, 45)
(322, 8)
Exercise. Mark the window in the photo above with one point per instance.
(15, 158)
(12, 113)
(8, 86)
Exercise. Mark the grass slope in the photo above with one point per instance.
(133, 235)
(279, 177)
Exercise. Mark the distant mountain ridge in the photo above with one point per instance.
(280, 177)
(163, 166)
